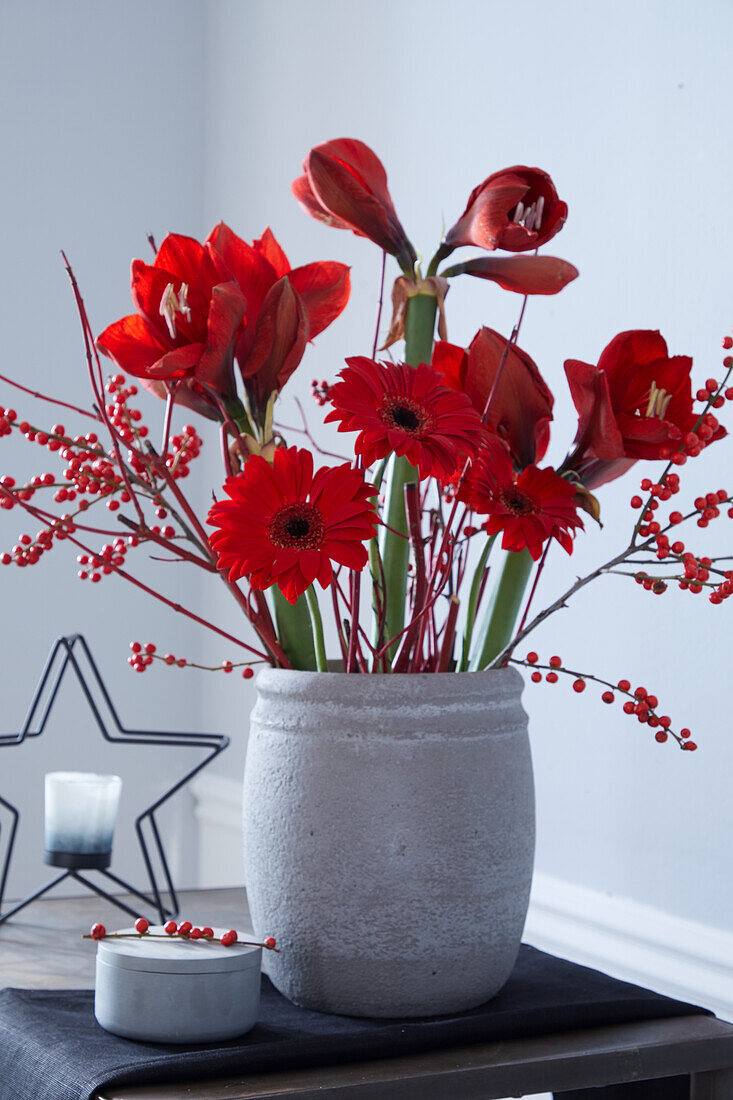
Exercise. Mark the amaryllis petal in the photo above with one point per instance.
(324, 290)
(177, 363)
(226, 314)
(268, 247)
(600, 436)
(348, 181)
(522, 274)
(505, 387)
(132, 344)
(279, 342)
(312, 205)
(251, 270)
(189, 260)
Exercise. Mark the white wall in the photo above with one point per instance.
(625, 106)
(101, 132)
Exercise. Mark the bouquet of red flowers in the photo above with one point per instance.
(448, 444)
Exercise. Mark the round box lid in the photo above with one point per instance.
(174, 955)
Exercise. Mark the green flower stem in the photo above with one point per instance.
(473, 604)
(502, 612)
(317, 629)
(395, 547)
(294, 631)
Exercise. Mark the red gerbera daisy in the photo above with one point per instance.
(529, 508)
(408, 410)
(284, 525)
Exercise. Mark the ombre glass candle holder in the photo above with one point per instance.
(81, 810)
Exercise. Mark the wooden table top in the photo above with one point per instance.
(42, 948)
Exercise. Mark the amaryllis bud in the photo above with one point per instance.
(517, 209)
(522, 274)
(345, 185)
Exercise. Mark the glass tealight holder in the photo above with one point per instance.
(81, 809)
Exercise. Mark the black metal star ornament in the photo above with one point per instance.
(73, 653)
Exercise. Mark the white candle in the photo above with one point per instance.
(81, 809)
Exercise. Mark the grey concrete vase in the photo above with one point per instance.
(389, 837)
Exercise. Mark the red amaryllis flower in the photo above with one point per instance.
(521, 404)
(529, 508)
(636, 404)
(345, 185)
(517, 209)
(285, 525)
(286, 307)
(183, 331)
(405, 410)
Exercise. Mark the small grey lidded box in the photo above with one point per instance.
(176, 990)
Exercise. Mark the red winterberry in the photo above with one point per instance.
(229, 938)
(170, 927)
(555, 662)
(270, 942)
(142, 925)
(98, 931)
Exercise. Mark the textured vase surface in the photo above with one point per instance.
(389, 837)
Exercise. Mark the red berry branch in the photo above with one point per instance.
(639, 702)
(185, 931)
(142, 656)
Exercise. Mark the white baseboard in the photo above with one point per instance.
(638, 943)
(635, 942)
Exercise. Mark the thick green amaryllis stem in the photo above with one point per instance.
(294, 631)
(502, 612)
(473, 602)
(419, 328)
(317, 629)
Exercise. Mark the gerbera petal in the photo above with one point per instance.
(407, 410)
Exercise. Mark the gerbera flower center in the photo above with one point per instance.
(406, 414)
(516, 502)
(298, 527)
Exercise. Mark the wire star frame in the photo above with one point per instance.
(72, 652)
